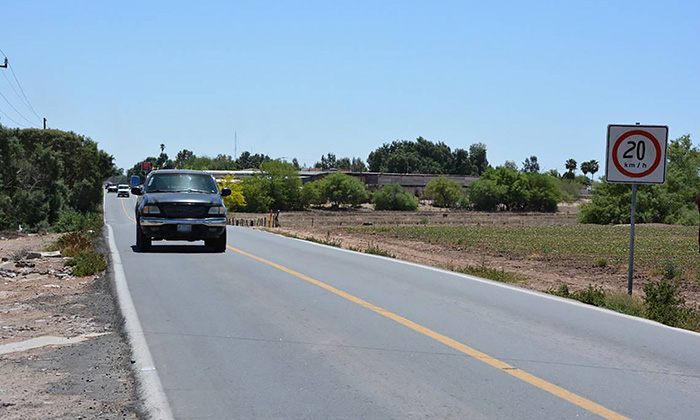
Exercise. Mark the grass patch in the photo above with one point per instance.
(662, 302)
(594, 245)
(376, 250)
(87, 263)
(494, 274)
(327, 241)
(78, 242)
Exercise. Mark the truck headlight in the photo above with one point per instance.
(151, 210)
(218, 210)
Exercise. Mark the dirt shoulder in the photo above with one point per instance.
(539, 271)
(88, 377)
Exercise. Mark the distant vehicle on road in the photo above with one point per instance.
(111, 188)
(123, 190)
(134, 181)
(178, 204)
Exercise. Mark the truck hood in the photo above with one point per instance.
(183, 198)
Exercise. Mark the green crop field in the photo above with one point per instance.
(656, 246)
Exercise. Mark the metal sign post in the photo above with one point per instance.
(630, 269)
(636, 154)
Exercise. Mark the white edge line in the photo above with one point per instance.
(154, 398)
(493, 283)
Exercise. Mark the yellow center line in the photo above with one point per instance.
(549, 387)
(126, 212)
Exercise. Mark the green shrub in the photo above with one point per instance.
(392, 197)
(570, 190)
(73, 243)
(541, 193)
(611, 204)
(485, 195)
(340, 189)
(624, 303)
(515, 191)
(444, 192)
(664, 302)
(282, 185)
(671, 203)
(70, 220)
(256, 196)
(87, 263)
(669, 272)
(311, 194)
(592, 295)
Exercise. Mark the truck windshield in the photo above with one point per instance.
(193, 183)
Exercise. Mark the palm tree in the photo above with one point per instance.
(585, 167)
(162, 147)
(570, 168)
(593, 167)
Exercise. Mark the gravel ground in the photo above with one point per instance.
(91, 379)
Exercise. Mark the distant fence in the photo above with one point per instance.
(268, 221)
(249, 222)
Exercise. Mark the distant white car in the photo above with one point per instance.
(111, 188)
(122, 190)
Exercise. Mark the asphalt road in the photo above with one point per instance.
(281, 328)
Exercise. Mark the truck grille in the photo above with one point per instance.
(183, 210)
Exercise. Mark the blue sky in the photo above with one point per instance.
(302, 78)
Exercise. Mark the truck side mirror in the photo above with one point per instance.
(137, 190)
(225, 192)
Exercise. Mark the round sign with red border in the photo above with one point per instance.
(654, 142)
(636, 154)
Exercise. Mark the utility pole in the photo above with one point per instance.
(44, 123)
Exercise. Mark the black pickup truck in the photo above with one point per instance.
(178, 204)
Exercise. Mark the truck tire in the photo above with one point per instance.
(143, 242)
(219, 244)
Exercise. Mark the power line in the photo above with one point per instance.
(18, 113)
(22, 90)
(29, 104)
(9, 118)
(14, 89)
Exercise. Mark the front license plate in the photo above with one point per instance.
(184, 228)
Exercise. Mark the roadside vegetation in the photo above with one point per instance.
(512, 190)
(78, 243)
(48, 176)
(52, 180)
(495, 274)
(662, 302)
(672, 202)
(392, 197)
(589, 245)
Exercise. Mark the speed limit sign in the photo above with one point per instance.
(636, 154)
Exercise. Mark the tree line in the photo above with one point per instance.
(47, 176)
(404, 156)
